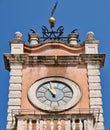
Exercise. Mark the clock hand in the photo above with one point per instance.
(52, 90)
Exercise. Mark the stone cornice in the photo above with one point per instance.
(81, 59)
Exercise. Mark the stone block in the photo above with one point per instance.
(95, 93)
(94, 86)
(14, 94)
(94, 72)
(15, 87)
(93, 66)
(94, 79)
(91, 48)
(17, 48)
(14, 102)
(15, 79)
(95, 101)
(15, 65)
(16, 72)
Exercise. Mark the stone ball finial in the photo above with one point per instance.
(18, 35)
(90, 36)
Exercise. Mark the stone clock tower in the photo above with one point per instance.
(54, 82)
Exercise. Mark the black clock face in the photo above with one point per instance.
(54, 93)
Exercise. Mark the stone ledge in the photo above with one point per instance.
(10, 108)
(97, 108)
(82, 59)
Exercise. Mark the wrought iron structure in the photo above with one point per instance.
(52, 35)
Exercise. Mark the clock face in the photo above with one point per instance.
(54, 94)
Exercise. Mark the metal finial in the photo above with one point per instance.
(54, 8)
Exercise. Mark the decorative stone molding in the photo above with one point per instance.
(18, 35)
(17, 44)
(73, 38)
(81, 59)
(34, 38)
(90, 36)
(91, 45)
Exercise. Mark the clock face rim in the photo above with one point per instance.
(72, 85)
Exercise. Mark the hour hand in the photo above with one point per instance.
(52, 90)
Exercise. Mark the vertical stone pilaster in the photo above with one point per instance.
(15, 84)
(95, 94)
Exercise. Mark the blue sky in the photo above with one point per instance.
(85, 15)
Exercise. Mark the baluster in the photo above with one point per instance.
(30, 124)
(66, 125)
(89, 124)
(59, 124)
(21, 124)
(80, 125)
(25, 124)
(44, 125)
(37, 125)
(69, 127)
(41, 124)
(85, 124)
(51, 125)
(73, 124)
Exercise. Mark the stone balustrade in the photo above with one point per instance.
(55, 121)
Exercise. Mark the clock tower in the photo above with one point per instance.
(54, 82)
